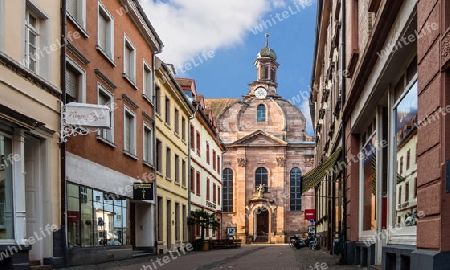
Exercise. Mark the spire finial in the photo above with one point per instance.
(267, 39)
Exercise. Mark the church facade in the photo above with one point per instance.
(267, 152)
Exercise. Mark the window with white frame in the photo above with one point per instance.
(32, 36)
(105, 32)
(147, 82)
(148, 141)
(76, 10)
(37, 40)
(129, 60)
(106, 98)
(129, 138)
(75, 82)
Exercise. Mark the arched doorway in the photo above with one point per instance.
(262, 224)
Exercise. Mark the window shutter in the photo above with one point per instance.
(127, 132)
(71, 7)
(72, 83)
(102, 32)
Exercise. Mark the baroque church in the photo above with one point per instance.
(267, 152)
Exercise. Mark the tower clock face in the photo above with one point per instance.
(260, 92)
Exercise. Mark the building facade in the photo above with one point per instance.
(326, 103)
(206, 151)
(110, 61)
(30, 92)
(173, 112)
(394, 157)
(267, 153)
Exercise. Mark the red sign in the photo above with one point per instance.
(310, 214)
(73, 216)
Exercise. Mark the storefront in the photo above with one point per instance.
(96, 218)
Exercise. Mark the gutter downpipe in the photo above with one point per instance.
(344, 124)
(155, 186)
(63, 232)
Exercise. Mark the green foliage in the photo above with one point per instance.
(205, 220)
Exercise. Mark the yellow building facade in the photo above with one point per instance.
(173, 111)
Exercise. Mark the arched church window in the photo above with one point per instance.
(261, 178)
(261, 113)
(296, 189)
(273, 73)
(227, 179)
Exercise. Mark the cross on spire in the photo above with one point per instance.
(267, 39)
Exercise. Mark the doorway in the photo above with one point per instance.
(262, 225)
(33, 177)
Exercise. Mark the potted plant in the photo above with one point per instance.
(205, 220)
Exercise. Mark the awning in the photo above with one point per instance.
(313, 177)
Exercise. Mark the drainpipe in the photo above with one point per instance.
(344, 123)
(64, 250)
(155, 198)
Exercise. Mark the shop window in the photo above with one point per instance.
(405, 114)
(6, 189)
(369, 182)
(95, 218)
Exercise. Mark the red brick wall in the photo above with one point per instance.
(434, 138)
(88, 146)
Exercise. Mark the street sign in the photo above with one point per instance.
(310, 214)
(87, 115)
(143, 191)
(312, 220)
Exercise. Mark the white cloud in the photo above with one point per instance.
(278, 3)
(190, 27)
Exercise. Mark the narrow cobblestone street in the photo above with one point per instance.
(245, 258)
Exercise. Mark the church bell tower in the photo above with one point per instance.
(266, 73)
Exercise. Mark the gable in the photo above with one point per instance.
(259, 138)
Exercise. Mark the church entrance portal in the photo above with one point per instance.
(262, 225)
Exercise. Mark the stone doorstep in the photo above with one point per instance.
(41, 267)
(34, 263)
(374, 267)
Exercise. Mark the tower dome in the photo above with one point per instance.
(266, 51)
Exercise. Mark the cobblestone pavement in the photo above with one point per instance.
(248, 257)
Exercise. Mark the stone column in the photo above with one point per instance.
(20, 228)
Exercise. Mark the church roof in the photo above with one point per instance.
(218, 104)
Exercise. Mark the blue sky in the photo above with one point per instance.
(216, 42)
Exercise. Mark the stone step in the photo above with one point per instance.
(374, 267)
(41, 267)
(33, 263)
